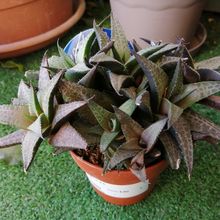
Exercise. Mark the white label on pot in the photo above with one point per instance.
(119, 191)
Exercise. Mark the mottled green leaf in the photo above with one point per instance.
(107, 137)
(119, 81)
(102, 115)
(65, 111)
(168, 62)
(44, 77)
(158, 80)
(126, 150)
(176, 84)
(120, 40)
(143, 102)
(82, 51)
(30, 145)
(47, 96)
(101, 36)
(68, 137)
(164, 50)
(130, 128)
(171, 148)
(212, 101)
(89, 79)
(67, 60)
(151, 133)
(75, 73)
(75, 92)
(182, 133)
(132, 62)
(190, 74)
(17, 116)
(212, 63)
(172, 111)
(196, 136)
(138, 167)
(39, 125)
(32, 75)
(56, 62)
(200, 91)
(209, 75)
(12, 139)
(24, 93)
(202, 125)
(34, 105)
(107, 61)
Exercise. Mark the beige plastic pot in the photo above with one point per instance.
(164, 20)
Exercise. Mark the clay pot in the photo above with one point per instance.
(28, 25)
(158, 19)
(120, 187)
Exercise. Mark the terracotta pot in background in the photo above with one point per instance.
(120, 187)
(158, 19)
(27, 25)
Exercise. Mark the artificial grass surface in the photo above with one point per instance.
(55, 188)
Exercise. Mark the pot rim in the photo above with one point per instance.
(93, 166)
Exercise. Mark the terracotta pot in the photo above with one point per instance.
(158, 19)
(31, 24)
(120, 187)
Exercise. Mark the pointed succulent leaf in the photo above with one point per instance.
(151, 133)
(39, 125)
(121, 43)
(202, 125)
(47, 96)
(34, 105)
(56, 62)
(44, 77)
(196, 136)
(143, 101)
(168, 62)
(201, 90)
(101, 36)
(190, 74)
(30, 145)
(138, 167)
(126, 150)
(83, 50)
(89, 78)
(17, 116)
(102, 115)
(107, 61)
(67, 60)
(107, 137)
(209, 75)
(164, 50)
(12, 139)
(146, 52)
(74, 92)
(182, 133)
(24, 93)
(107, 48)
(119, 81)
(64, 111)
(171, 148)
(212, 63)
(75, 73)
(130, 128)
(212, 101)
(172, 111)
(67, 136)
(130, 92)
(158, 80)
(176, 84)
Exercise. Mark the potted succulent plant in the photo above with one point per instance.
(124, 113)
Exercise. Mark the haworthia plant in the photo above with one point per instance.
(130, 105)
